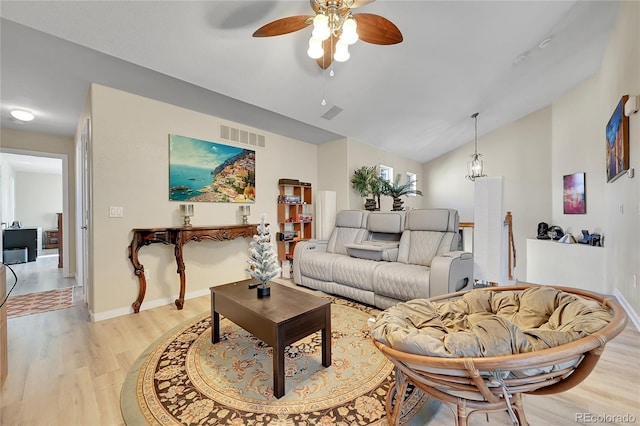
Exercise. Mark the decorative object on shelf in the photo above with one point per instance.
(617, 132)
(367, 182)
(245, 211)
(335, 27)
(574, 199)
(186, 211)
(210, 172)
(567, 239)
(591, 239)
(556, 233)
(396, 190)
(543, 231)
(476, 165)
(263, 260)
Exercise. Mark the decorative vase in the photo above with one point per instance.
(397, 205)
(370, 204)
(263, 290)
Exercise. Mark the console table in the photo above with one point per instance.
(178, 236)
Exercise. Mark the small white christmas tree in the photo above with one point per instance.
(263, 260)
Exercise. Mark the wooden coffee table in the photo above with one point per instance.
(282, 318)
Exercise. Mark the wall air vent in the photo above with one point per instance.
(332, 112)
(241, 136)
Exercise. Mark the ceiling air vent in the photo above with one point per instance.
(332, 112)
(241, 136)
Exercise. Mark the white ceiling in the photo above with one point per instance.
(414, 99)
(31, 163)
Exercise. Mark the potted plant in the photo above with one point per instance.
(396, 190)
(365, 180)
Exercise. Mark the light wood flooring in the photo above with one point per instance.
(64, 370)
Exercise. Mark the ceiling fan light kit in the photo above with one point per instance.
(335, 28)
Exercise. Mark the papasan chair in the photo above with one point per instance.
(478, 351)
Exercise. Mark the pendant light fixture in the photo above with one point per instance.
(476, 165)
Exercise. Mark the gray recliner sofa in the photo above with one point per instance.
(382, 258)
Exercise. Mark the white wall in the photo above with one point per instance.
(8, 179)
(130, 170)
(38, 198)
(521, 152)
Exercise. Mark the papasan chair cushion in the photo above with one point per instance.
(486, 323)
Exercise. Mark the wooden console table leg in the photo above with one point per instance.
(183, 279)
(139, 271)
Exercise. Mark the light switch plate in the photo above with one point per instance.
(116, 212)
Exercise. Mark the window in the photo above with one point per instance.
(386, 173)
(411, 181)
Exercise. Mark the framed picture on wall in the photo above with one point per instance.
(574, 198)
(211, 172)
(617, 133)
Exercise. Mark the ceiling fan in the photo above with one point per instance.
(335, 27)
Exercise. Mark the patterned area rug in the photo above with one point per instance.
(185, 379)
(35, 303)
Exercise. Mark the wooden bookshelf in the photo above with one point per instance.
(295, 215)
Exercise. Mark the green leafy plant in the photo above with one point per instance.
(396, 190)
(366, 181)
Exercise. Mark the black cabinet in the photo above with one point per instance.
(25, 237)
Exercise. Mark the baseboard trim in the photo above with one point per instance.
(631, 313)
(146, 305)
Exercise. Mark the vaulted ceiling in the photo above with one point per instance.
(504, 59)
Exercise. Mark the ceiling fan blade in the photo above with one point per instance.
(377, 30)
(284, 26)
(329, 47)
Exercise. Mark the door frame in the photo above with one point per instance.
(83, 213)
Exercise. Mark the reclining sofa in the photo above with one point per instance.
(382, 258)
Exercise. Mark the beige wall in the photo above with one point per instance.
(535, 152)
(333, 171)
(521, 153)
(130, 170)
(338, 160)
(359, 154)
(32, 142)
(579, 120)
(620, 74)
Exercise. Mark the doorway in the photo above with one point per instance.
(34, 188)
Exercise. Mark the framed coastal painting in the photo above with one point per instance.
(211, 172)
(574, 197)
(617, 133)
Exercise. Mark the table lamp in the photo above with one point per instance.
(186, 211)
(245, 211)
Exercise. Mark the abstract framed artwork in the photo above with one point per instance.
(210, 172)
(573, 195)
(617, 133)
